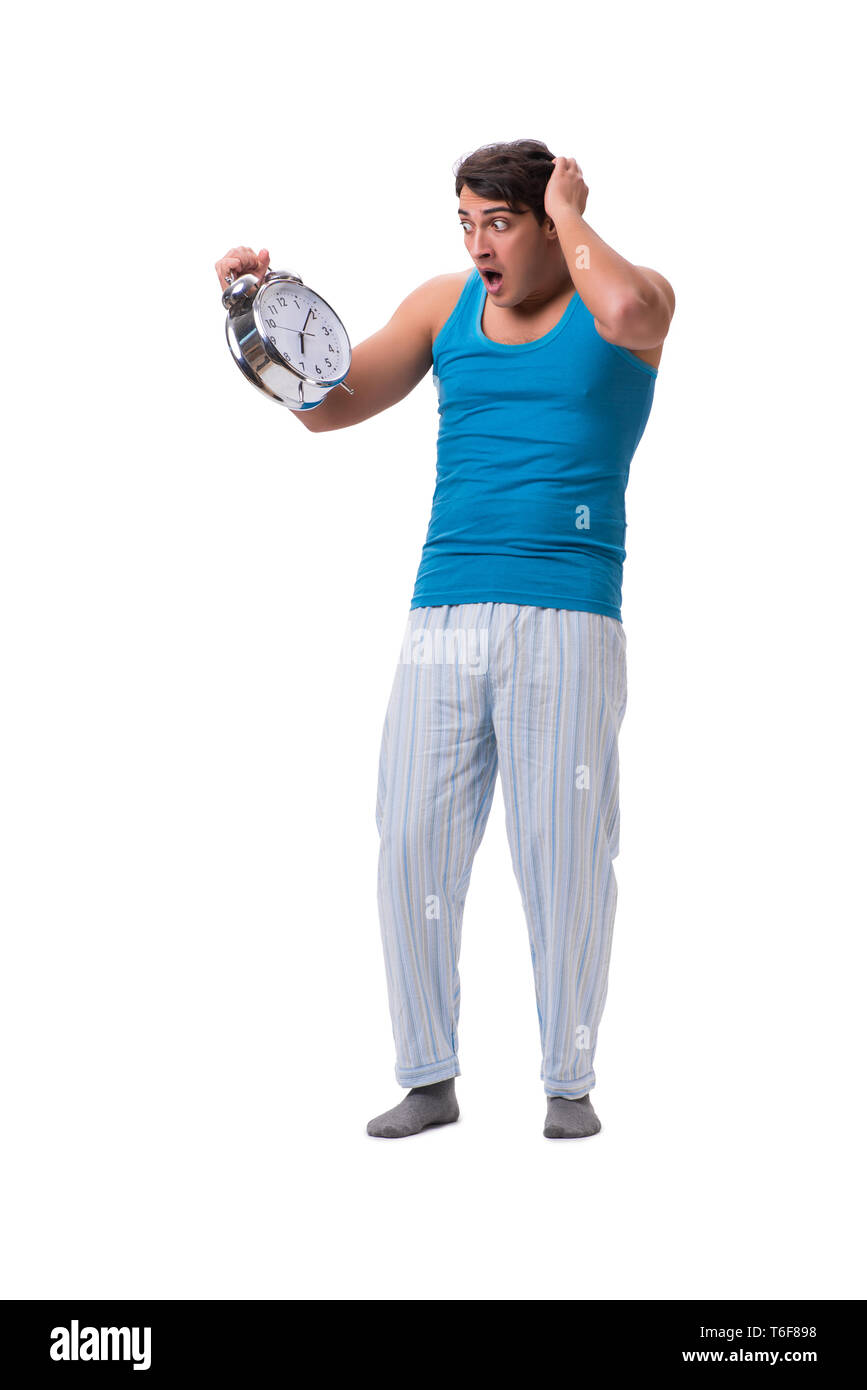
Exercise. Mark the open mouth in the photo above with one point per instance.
(493, 278)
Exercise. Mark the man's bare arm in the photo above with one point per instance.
(645, 321)
(632, 305)
(385, 367)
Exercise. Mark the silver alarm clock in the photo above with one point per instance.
(285, 338)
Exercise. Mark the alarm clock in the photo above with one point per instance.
(286, 339)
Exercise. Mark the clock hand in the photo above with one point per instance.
(284, 328)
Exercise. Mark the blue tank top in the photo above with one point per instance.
(533, 452)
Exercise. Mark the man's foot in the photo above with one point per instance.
(570, 1119)
(425, 1105)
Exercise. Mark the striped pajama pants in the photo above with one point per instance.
(539, 695)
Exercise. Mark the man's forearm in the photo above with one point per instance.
(609, 285)
(312, 420)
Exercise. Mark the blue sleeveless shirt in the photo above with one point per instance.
(533, 452)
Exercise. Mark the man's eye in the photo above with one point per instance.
(467, 226)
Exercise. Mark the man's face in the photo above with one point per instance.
(504, 239)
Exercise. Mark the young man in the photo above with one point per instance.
(544, 357)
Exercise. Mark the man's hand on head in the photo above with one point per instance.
(566, 188)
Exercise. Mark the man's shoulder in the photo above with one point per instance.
(441, 288)
(442, 293)
(429, 305)
(453, 277)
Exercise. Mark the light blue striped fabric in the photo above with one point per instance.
(539, 695)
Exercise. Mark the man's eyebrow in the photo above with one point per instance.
(462, 212)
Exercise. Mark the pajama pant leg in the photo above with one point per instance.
(437, 771)
(559, 697)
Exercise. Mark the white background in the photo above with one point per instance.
(202, 606)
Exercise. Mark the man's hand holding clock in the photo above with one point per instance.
(286, 339)
(242, 260)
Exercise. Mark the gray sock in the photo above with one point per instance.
(570, 1119)
(424, 1106)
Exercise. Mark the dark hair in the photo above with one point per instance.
(515, 170)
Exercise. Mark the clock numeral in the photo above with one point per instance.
(272, 323)
(328, 362)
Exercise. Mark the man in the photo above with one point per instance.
(544, 357)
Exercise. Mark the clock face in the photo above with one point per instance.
(303, 330)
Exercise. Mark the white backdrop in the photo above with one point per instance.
(202, 607)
